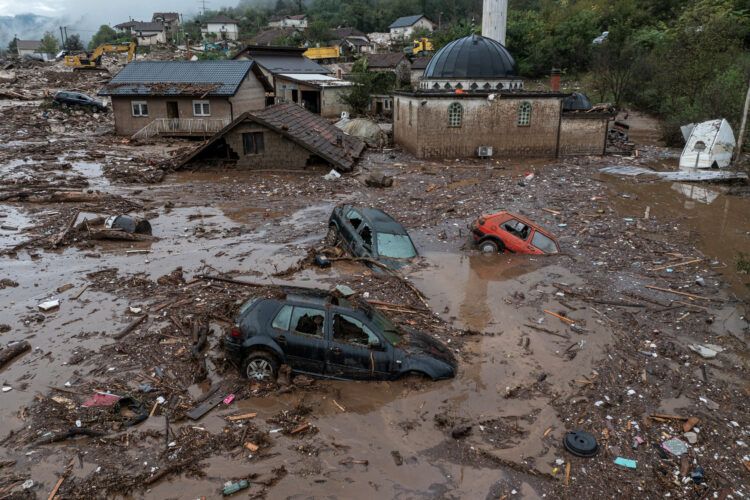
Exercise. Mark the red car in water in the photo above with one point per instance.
(509, 232)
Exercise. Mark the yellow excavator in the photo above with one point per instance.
(94, 61)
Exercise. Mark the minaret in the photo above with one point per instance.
(494, 19)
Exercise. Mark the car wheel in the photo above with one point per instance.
(488, 247)
(332, 237)
(260, 366)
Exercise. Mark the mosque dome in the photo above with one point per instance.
(472, 57)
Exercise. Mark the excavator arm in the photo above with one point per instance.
(94, 60)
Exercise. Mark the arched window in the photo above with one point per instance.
(454, 114)
(524, 114)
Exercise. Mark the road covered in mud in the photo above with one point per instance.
(636, 333)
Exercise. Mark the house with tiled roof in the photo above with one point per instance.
(146, 34)
(183, 98)
(296, 21)
(392, 62)
(283, 136)
(403, 27)
(221, 28)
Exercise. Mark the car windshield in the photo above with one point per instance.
(388, 329)
(395, 246)
(543, 243)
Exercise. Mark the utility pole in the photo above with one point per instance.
(62, 38)
(742, 125)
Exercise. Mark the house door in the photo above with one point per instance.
(173, 114)
(311, 101)
(379, 108)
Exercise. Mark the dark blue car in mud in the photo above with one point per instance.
(370, 232)
(319, 334)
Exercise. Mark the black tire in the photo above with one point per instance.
(260, 365)
(332, 237)
(489, 247)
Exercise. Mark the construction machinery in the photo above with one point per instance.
(331, 52)
(419, 45)
(94, 60)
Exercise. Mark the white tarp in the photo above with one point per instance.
(365, 129)
(710, 145)
(685, 175)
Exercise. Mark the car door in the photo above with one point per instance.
(301, 333)
(516, 235)
(353, 220)
(356, 351)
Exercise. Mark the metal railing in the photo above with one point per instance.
(181, 126)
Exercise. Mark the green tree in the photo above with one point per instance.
(318, 31)
(104, 35)
(13, 46)
(48, 43)
(449, 33)
(73, 42)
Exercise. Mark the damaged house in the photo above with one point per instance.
(183, 98)
(282, 136)
(471, 102)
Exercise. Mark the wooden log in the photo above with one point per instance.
(65, 231)
(9, 353)
(130, 327)
(103, 234)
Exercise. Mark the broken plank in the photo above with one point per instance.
(208, 405)
(561, 317)
(670, 266)
(300, 428)
(79, 292)
(670, 417)
(241, 417)
(691, 295)
(549, 210)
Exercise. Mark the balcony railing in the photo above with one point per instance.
(181, 126)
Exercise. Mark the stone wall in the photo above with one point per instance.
(583, 134)
(484, 122)
(279, 152)
(250, 96)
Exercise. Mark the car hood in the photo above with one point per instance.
(422, 344)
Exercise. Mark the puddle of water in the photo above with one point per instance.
(716, 223)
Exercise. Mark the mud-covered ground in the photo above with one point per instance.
(624, 372)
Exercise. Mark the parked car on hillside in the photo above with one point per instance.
(69, 99)
(509, 232)
(370, 232)
(319, 334)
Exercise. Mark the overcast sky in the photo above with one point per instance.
(85, 16)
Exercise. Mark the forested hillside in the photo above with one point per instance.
(680, 60)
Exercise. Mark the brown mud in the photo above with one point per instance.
(525, 377)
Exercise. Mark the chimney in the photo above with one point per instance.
(554, 80)
(494, 19)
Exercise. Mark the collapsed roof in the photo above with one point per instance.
(302, 127)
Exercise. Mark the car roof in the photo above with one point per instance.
(528, 223)
(381, 221)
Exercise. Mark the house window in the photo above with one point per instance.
(253, 142)
(201, 108)
(524, 114)
(454, 114)
(388, 104)
(139, 108)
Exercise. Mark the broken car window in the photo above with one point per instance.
(281, 321)
(308, 321)
(395, 246)
(517, 228)
(366, 234)
(352, 331)
(386, 327)
(354, 218)
(543, 243)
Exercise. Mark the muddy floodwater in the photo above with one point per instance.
(605, 337)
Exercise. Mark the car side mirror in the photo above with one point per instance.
(375, 345)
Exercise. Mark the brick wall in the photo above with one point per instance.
(583, 134)
(484, 122)
(250, 96)
(279, 152)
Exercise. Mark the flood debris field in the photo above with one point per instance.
(636, 333)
